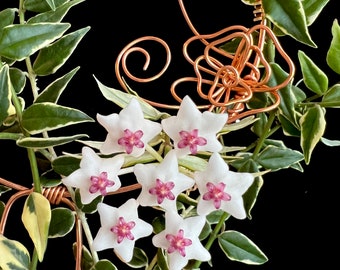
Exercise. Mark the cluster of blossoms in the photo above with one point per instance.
(130, 134)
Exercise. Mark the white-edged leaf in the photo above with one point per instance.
(122, 99)
(33, 142)
(333, 53)
(47, 116)
(314, 78)
(240, 248)
(62, 222)
(22, 40)
(313, 125)
(6, 107)
(290, 18)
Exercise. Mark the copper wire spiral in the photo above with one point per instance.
(225, 81)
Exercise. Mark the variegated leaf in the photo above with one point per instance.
(36, 217)
(49, 116)
(13, 255)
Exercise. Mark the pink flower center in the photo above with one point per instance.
(216, 193)
(123, 230)
(178, 242)
(100, 183)
(131, 139)
(162, 190)
(191, 139)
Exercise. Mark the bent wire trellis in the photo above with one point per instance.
(225, 80)
(233, 76)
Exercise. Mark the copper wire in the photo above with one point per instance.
(225, 81)
(55, 195)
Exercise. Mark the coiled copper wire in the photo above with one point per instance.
(55, 195)
(233, 77)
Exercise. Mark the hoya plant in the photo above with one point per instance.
(181, 177)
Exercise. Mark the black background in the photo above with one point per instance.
(295, 219)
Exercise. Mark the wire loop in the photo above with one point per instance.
(226, 80)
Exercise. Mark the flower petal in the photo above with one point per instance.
(109, 217)
(130, 118)
(236, 184)
(190, 120)
(192, 228)
(92, 165)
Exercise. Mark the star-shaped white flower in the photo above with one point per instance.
(193, 131)
(120, 229)
(161, 183)
(221, 188)
(96, 176)
(180, 240)
(128, 131)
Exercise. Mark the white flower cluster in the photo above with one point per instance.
(129, 133)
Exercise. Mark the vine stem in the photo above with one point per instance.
(212, 237)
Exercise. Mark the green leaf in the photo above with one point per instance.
(275, 158)
(314, 78)
(52, 57)
(139, 258)
(331, 99)
(42, 5)
(62, 222)
(330, 142)
(54, 15)
(193, 163)
(258, 127)
(13, 255)
(290, 18)
(288, 94)
(215, 216)
(313, 125)
(20, 41)
(289, 128)
(122, 99)
(206, 231)
(38, 143)
(4, 189)
(53, 91)
(18, 79)
(10, 136)
(239, 248)
(250, 196)
(6, 17)
(6, 107)
(49, 116)
(333, 53)
(86, 258)
(104, 265)
(313, 9)
(87, 208)
(161, 260)
(65, 165)
(36, 217)
(158, 223)
(2, 208)
(244, 122)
